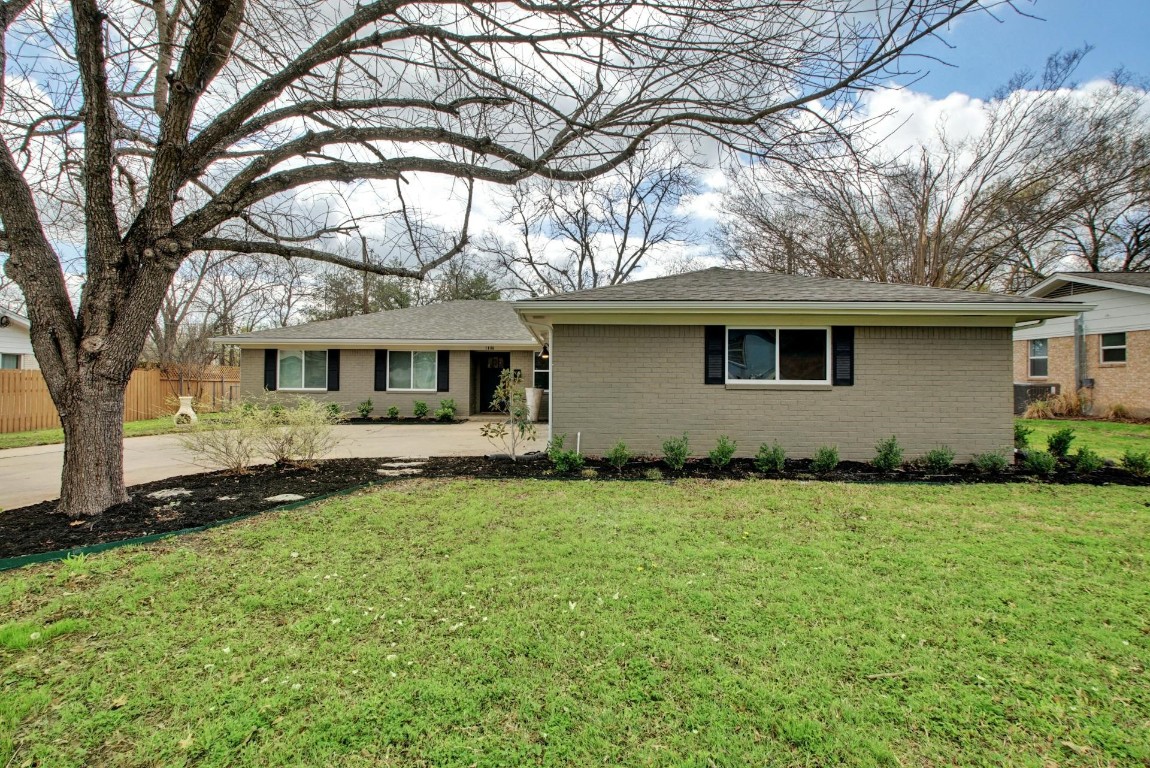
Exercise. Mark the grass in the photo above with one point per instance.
(567, 624)
(1109, 438)
(161, 426)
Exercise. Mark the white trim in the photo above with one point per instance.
(1030, 358)
(434, 387)
(1051, 282)
(776, 382)
(1123, 346)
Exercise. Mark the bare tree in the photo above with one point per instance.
(148, 132)
(571, 236)
(1055, 179)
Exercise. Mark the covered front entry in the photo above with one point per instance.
(485, 370)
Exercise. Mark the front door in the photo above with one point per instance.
(490, 365)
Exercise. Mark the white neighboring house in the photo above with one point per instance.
(15, 345)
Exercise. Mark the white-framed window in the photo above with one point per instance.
(542, 378)
(778, 355)
(1114, 347)
(412, 371)
(303, 369)
(9, 362)
(1039, 358)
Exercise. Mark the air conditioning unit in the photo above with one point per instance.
(1025, 394)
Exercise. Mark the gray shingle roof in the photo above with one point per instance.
(450, 321)
(719, 284)
(1138, 279)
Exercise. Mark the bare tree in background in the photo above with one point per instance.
(148, 132)
(1055, 179)
(10, 296)
(571, 236)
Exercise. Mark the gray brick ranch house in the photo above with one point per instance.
(453, 350)
(758, 357)
(802, 360)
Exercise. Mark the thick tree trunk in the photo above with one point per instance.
(93, 477)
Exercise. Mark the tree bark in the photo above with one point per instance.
(93, 476)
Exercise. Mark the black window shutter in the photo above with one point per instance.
(443, 362)
(843, 356)
(333, 370)
(271, 360)
(715, 345)
(381, 370)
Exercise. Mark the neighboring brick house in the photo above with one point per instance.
(15, 346)
(452, 350)
(763, 357)
(1105, 351)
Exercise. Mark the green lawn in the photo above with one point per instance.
(131, 429)
(1109, 438)
(572, 623)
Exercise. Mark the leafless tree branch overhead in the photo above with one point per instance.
(136, 133)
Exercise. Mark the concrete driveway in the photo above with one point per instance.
(31, 475)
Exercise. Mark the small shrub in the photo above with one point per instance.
(1039, 409)
(654, 473)
(938, 460)
(1040, 462)
(589, 473)
(393, 412)
(365, 408)
(990, 463)
(1136, 462)
(1059, 443)
(888, 454)
(723, 453)
(675, 452)
(1071, 403)
(301, 434)
(335, 411)
(565, 461)
(419, 409)
(826, 459)
(231, 442)
(618, 456)
(1118, 412)
(445, 411)
(770, 458)
(1022, 435)
(1087, 460)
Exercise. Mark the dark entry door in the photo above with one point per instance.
(490, 364)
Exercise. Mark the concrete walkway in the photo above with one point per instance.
(31, 475)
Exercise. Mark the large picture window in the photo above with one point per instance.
(779, 355)
(1114, 347)
(412, 371)
(303, 369)
(1039, 358)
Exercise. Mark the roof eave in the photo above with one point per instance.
(1027, 309)
(274, 341)
(1054, 281)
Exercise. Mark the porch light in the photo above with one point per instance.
(544, 355)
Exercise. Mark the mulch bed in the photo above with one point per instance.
(216, 496)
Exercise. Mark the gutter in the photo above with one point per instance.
(267, 341)
(1043, 308)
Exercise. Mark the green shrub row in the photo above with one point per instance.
(419, 409)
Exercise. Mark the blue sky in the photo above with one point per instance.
(988, 52)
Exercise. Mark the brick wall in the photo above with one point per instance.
(1126, 383)
(357, 383)
(927, 386)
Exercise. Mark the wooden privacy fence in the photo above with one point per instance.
(25, 403)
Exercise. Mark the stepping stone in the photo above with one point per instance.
(400, 472)
(225, 498)
(169, 493)
(286, 497)
(399, 464)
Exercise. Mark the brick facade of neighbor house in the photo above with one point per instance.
(357, 382)
(643, 383)
(1126, 384)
